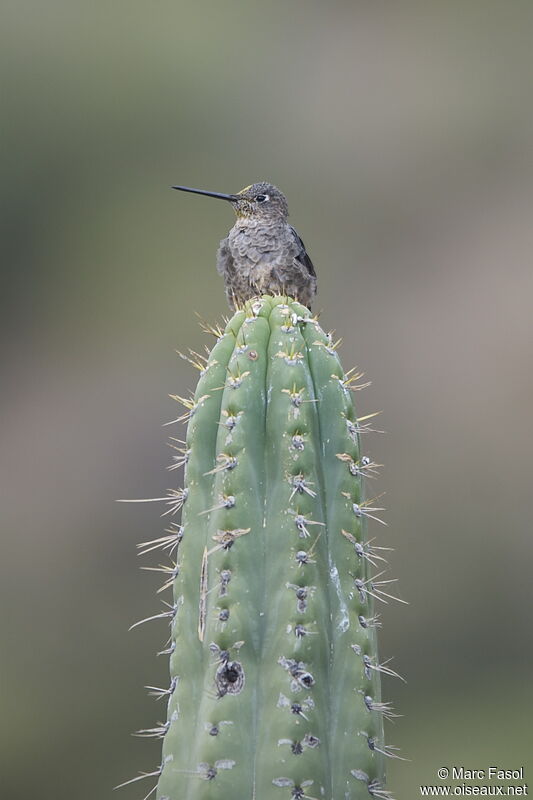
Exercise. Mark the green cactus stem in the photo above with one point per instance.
(274, 672)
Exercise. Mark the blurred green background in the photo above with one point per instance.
(402, 135)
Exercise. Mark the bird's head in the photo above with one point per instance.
(259, 200)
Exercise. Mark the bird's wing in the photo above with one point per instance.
(302, 255)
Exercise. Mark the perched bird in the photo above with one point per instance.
(262, 253)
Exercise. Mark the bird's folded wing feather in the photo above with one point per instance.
(302, 255)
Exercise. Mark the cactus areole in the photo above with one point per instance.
(274, 674)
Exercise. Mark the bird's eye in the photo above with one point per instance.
(261, 198)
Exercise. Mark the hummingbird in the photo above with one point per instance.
(262, 253)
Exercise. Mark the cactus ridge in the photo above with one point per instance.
(275, 676)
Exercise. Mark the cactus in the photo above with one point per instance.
(274, 673)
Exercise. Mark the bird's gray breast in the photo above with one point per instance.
(258, 246)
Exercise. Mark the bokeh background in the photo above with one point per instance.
(402, 135)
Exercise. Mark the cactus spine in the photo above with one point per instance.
(274, 675)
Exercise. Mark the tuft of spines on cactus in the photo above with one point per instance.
(274, 685)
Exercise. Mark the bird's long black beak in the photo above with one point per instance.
(230, 197)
